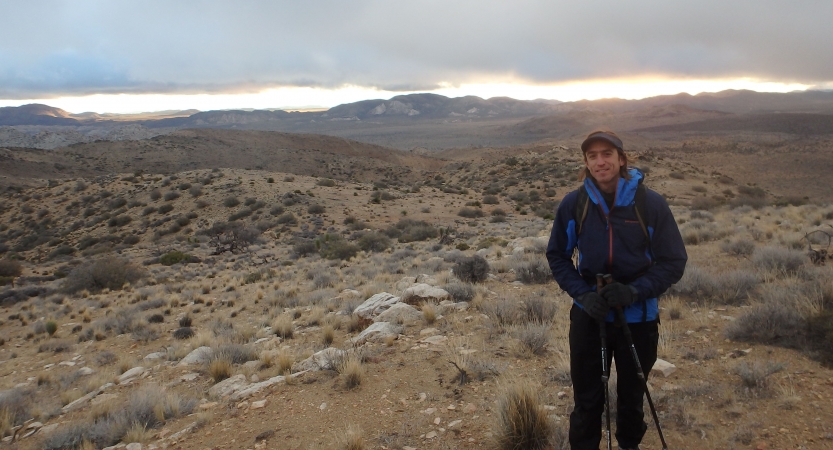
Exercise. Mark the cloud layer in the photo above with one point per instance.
(51, 48)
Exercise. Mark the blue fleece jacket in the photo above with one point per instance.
(612, 242)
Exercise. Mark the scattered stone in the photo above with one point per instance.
(399, 313)
(264, 435)
(454, 423)
(428, 279)
(429, 411)
(422, 397)
(376, 305)
(451, 407)
(428, 332)
(200, 355)
(208, 405)
(228, 386)
(431, 435)
(133, 446)
(67, 363)
(561, 395)
(85, 399)
(405, 283)
(84, 371)
(470, 408)
(437, 420)
(258, 404)
(434, 340)
(189, 376)
(323, 406)
(664, 367)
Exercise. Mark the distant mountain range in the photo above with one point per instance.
(503, 121)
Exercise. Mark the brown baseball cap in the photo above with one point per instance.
(602, 135)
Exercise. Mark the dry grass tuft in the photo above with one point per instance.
(521, 419)
(328, 334)
(137, 433)
(283, 327)
(352, 371)
(353, 439)
(219, 369)
(285, 361)
(429, 313)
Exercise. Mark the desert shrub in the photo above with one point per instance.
(490, 200)
(10, 268)
(756, 375)
(304, 248)
(116, 203)
(195, 191)
(704, 203)
(534, 337)
(333, 246)
(185, 322)
(677, 175)
(473, 269)
(470, 213)
(219, 369)
(171, 195)
(409, 230)
(751, 191)
(745, 200)
(276, 210)
(236, 353)
(16, 405)
(738, 247)
(245, 212)
(61, 250)
(148, 210)
(539, 309)
(156, 318)
(315, 209)
(730, 288)
(327, 182)
(231, 202)
(521, 419)
(460, 292)
(166, 208)
(286, 219)
(352, 370)
(119, 221)
(183, 333)
(105, 358)
(155, 194)
(374, 242)
(107, 273)
(777, 259)
(533, 270)
(820, 336)
(51, 327)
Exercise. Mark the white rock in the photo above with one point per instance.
(405, 283)
(85, 371)
(133, 446)
(322, 360)
(323, 406)
(131, 374)
(258, 404)
(376, 332)
(664, 367)
(454, 423)
(428, 332)
(431, 435)
(199, 355)
(228, 386)
(189, 376)
(428, 279)
(376, 305)
(154, 356)
(399, 313)
(434, 340)
(422, 292)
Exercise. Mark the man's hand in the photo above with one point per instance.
(594, 305)
(618, 295)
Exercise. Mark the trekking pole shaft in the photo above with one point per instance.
(641, 373)
(600, 282)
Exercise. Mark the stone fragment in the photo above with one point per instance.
(664, 367)
(228, 386)
(326, 359)
(131, 374)
(405, 283)
(428, 332)
(258, 404)
(434, 340)
(431, 435)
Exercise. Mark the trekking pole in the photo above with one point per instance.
(620, 316)
(600, 282)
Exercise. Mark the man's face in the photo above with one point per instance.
(604, 162)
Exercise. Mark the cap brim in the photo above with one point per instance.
(609, 138)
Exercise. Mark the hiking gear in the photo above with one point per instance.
(600, 282)
(594, 305)
(607, 136)
(587, 418)
(611, 240)
(620, 315)
(619, 295)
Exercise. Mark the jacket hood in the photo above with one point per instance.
(625, 190)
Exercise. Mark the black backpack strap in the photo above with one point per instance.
(582, 205)
(641, 213)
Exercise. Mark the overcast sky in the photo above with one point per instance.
(237, 49)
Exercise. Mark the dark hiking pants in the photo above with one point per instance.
(586, 372)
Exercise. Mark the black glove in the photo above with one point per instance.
(618, 295)
(594, 305)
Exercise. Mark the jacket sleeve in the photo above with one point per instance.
(667, 247)
(563, 241)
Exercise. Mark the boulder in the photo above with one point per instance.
(429, 279)
(131, 374)
(376, 305)
(200, 355)
(422, 292)
(399, 313)
(377, 332)
(348, 295)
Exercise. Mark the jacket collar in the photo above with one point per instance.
(625, 189)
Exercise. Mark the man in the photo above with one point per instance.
(644, 255)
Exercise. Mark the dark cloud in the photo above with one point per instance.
(58, 47)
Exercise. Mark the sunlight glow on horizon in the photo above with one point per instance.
(295, 98)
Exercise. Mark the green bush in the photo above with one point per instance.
(174, 257)
(473, 269)
(333, 246)
(166, 208)
(470, 213)
(315, 209)
(51, 327)
(490, 200)
(409, 230)
(286, 219)
(106, 273)
(10, 268)
(231, 202)
(326, 182)
(119, 221)
(374, 242)
(304, 248)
